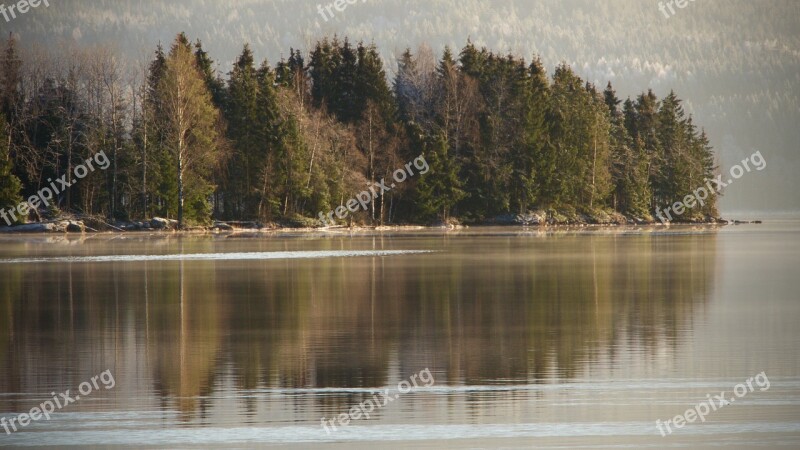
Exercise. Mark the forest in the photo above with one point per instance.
(278, 144)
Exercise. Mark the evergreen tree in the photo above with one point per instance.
(439, 190)
(500, 113)
(406, 92)
(631, 193)
(580, 136)
(159, 184)
(267, 128)
(674, 180)
(499, 136)
(645, 123)
(708, 170)
(371, 83)
(322, 65)
(213, 81)
(293, 75)
(10, 77)
(10, 185)
(345, 103)
(243, 185)
(528, 159)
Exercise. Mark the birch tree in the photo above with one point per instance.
(190, 117)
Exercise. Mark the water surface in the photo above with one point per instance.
(546, 339)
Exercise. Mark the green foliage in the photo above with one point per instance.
(10, 185)
(247, 135)
(439, 190)
(345, 79)
(302, 137)
(527, 157)
(190, 120)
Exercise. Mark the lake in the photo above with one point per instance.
(484, 338)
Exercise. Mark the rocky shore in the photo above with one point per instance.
(541, 218)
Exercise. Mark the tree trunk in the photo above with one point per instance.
(180, 182)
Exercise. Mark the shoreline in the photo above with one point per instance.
(78, 227)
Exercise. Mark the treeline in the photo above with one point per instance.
(283, 143)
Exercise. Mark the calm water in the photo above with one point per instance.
(568, 339)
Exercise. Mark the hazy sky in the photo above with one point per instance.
(736, 63)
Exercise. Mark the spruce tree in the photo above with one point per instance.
(246, 161)
(269, 135)
(528, 162)
(10, 185)
(631, 193)
(439, 190)
(213, 81)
